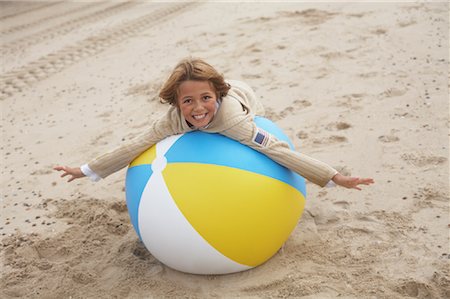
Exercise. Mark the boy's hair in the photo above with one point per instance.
(192, 69)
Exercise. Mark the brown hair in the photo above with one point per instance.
(192, 69)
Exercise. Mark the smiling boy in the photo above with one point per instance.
(201, 99)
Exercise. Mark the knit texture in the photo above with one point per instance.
(234, 119)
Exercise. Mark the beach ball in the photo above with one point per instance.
(203, 203)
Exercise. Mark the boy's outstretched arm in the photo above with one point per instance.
(75, 173)
(351, 182)
(315, 171)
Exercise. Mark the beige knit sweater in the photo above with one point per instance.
(234, 119)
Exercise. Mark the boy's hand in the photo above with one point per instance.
(351, 182)
(75, 173)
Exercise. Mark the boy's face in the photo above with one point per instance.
(197, 102)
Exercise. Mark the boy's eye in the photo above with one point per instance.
(186, 101)
(207, 97)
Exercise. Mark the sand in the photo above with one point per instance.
(363, 87)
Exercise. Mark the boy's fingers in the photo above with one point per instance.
(365, 181)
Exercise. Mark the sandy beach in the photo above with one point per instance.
(363, 87)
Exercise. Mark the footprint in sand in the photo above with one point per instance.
(321, 73)
(350, 101)
(119, 207)
(357, 15)
(421, 160)
(287, 111)
(430, 194)
(258, 20)
(99, 140)
(334, 139)
(379, 31)
(309, 16)
(388, 138)
(368, 75)
(43, 264)
(253, 48)
(415, 289)
(83, 277)
(338, 126)
(366, 218)
(348, 232)
(251, 76)
(255, 61)
(301, 103)
(117, 228)
(406, 23)
(342, 204)
(141, 252)
(105, 114)
(271, 114)
(336, 55)
(274, 116)
(302, 135)
(393, 92)
(42, 171)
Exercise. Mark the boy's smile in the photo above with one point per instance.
(197, 101)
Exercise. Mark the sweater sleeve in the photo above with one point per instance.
(245, 94)
(123, 155)
(311, 169)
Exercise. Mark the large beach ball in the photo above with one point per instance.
(203, 203)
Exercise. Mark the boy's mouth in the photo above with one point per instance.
(199, 116)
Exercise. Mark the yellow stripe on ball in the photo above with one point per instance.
(146, 157)
(245, 216)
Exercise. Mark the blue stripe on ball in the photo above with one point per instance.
(136, 180)
(196, 147)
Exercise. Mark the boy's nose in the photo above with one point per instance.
(198, 106)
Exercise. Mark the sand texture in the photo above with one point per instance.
(363, 87)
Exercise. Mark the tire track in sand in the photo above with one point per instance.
(15, 81)
(22, 27)
(23, 43)
(33, 9)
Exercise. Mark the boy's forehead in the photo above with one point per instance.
(192, 86)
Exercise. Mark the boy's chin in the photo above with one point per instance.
(200, 124)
